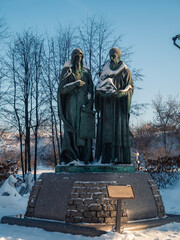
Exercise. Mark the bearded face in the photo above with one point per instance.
(77, 60)
(114, 59)
(115, 55)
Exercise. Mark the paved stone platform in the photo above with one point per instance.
(86, 229)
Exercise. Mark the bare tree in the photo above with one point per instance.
(38, 59)
(11, 109)
(17, 116)
(3, 35)
(23, 70)
(24, 60)
(88, 37)
(58, 50)
(48, 86)
(166, 119)
(143, 136)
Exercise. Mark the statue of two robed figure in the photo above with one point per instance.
(113, 94)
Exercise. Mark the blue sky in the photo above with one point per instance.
(147, 26)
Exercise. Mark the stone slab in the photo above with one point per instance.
(97, 168)
(86, 229)
(53, 226)
(55, 192)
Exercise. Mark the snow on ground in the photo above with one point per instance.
(11, 201)
(15, 204)
(166, 232)
(171, 198)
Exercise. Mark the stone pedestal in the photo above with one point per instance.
(82, 197)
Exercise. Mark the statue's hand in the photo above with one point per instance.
(80, 83)
(119, 94)
(83, 108)
(86, 108)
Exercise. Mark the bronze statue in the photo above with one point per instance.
(113, 98)
(75, 106)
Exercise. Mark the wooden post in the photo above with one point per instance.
(118, 216)
(119, 193)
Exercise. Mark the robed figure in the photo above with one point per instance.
(113, 99)
(75, 104)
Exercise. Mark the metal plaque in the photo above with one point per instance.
(121, 192)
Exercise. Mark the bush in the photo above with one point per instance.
(9, 164)
(164, 170)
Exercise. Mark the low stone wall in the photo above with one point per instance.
(157, 199)
(89, 203)
(33, 198)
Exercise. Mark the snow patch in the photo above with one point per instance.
(105, 82)
(72, 83)
(9, 188)
(171, 198)
(73, 163)
(69, 64)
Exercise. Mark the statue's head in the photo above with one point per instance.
(76, 56)
(115, 56)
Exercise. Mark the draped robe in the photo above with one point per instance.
(71, 99)
(113, 111)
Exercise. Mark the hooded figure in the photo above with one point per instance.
(113, 98)
(75, 96)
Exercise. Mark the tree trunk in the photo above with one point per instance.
(57, 138)
(21, 150)
(36, 128)
(53, 141)
(27, 139)
(35, 154)
(52, 131)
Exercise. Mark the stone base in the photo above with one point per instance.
(83, 197)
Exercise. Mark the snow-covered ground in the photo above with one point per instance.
(15, 204)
